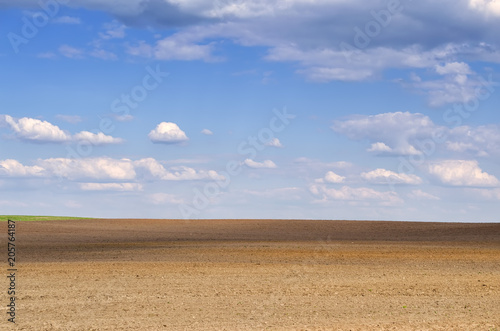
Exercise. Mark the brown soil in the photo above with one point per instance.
(255, 275)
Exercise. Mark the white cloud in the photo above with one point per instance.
(461, 173)
(35, 130)
(123, 118)
(167, 132)
(114, 30)
(141, 49)
(383, 176)
(458, 84)
(13, 168)
(331, 177)
(410, 133)
(207, 132)
(415, 37)
(379, 147)
(157, 170)
(96, 138)
(32, 129)
(67, 20)
(275, 142)
(105, 169)
(110, 186)
(258, 165)
(182, 46)
(347, 193)
(325, 74)
(392, 133)
(173, 48)
(325, 64)
(187, 173)
(70, 52)
(489, 7)
(459, 68)
(482, 140)
(421, 195)
(152, 166)
(102, 168)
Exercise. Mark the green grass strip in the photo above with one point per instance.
(30, 218)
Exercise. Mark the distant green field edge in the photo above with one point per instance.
(4, 218)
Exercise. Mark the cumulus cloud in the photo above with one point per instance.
(482, 140)
(379, 147)
(32, 129)
(102, 168)
(105, 169)
(383, 176)
(110, 187)
(96, 138)
(392, 133)
(157, 170)
(331, 177)
(404, 133)
(168, 133)
(13, 168)
(260, 165)
(457, 84)
(275, 142)
(347, 193)
(35, 130)
(461, 173)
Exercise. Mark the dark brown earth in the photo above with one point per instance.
(255, 275)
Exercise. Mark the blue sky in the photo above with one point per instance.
(251, 109)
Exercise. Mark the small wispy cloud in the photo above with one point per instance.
(267, 164)
(67, 20)
(207, 132)
(71, 52)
